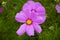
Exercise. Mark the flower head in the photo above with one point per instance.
(31, 23)
(0, 10)
(32, 14)
(34, 7)
(30, 0)
(58, 8)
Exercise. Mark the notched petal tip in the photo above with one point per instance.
(20, 17)
(30, 30)
(18, 33)
(30, 34)
(21, 30)
(37, 28)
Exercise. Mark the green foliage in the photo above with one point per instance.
(9, 26)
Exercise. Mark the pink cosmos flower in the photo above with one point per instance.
(35, 7)
(31, 23)
(58, 8)
(30, 0)
(0, 10)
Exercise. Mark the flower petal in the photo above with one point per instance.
(37, 28)
(58, 8)
(1, 10)
(40, 19)
(39, 8)
(29, 5)
(30, 30)
(21, 30)
(33, 16)
(37, 4)
(27, 13)
(20, 17)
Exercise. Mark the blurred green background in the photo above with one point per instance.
(9, 26)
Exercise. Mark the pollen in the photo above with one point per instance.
(29, 22)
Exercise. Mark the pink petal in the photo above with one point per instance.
(58, 8)
(30, 0)
(29, 5)
(40, 19)
(1, 10)
(30, 30)
(20, 17)
(21, 30)
(27, 13)
(33, 16)
(37, 4)
(41, 10)
(37, 28)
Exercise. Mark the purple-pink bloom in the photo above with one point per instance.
(58, 8)
(1, 10)
(30, 0)
(35, 7)
(32, 14)
(31, 23)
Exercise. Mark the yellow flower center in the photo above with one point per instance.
(29, 22)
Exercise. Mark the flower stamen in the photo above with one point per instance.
(28, 21)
